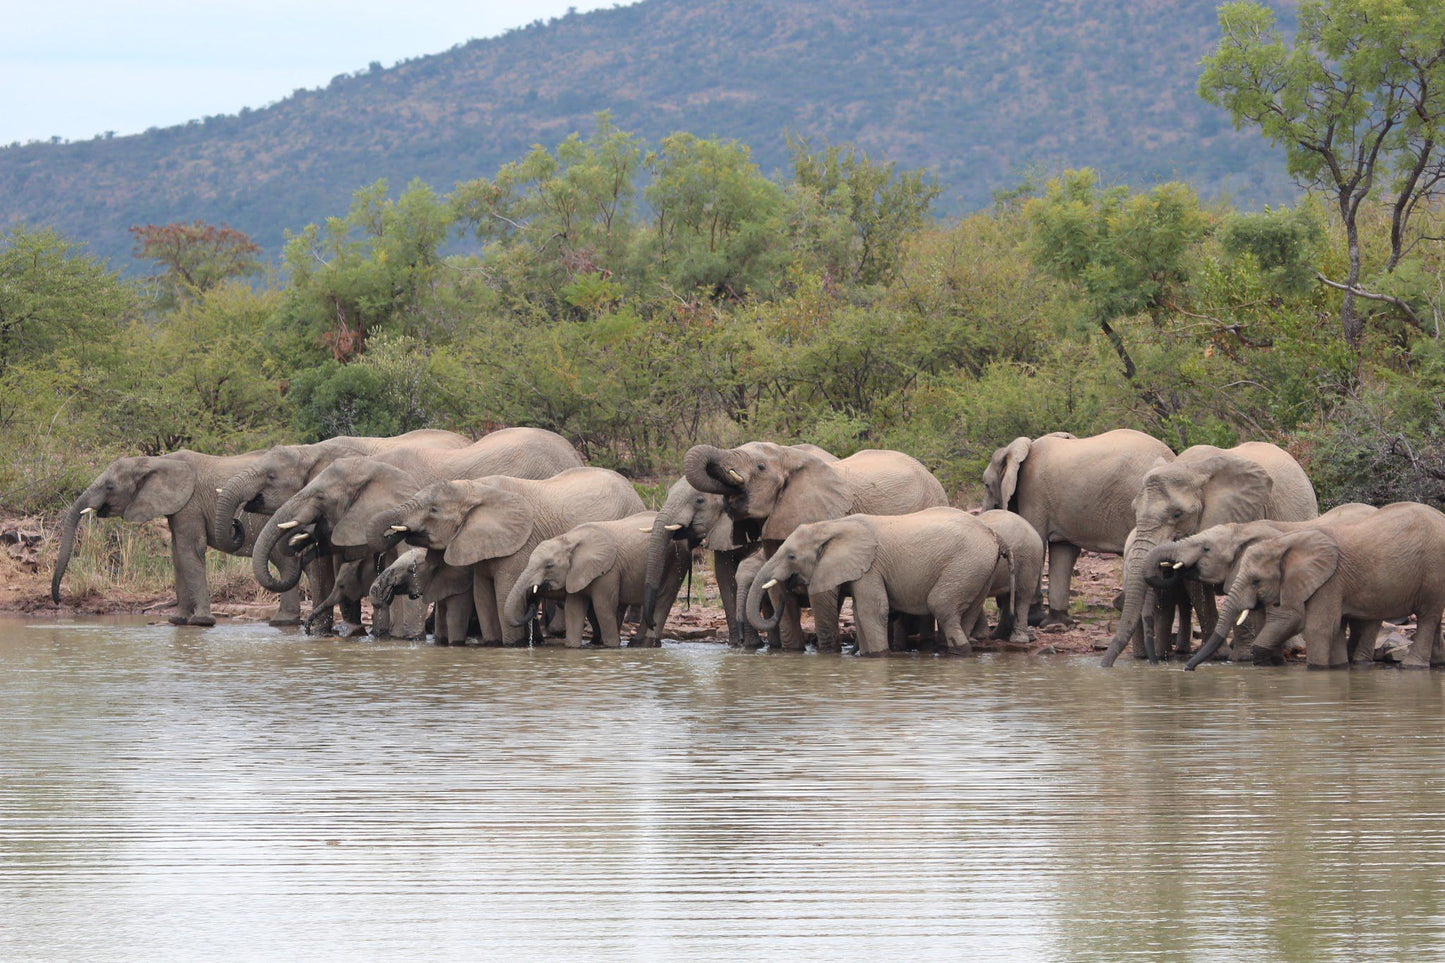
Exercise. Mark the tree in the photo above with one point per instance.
(196, 257)
(1357, 103)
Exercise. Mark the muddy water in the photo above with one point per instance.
(243, 792)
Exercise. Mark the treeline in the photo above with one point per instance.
(639, 298)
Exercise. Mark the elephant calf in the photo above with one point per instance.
(421, 574)
(1015, 579)
(604, 565)
(937, 562)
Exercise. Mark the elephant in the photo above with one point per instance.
(492, 524)
(701, 520)
(182, 487)
(334, 510)
(284, 470)
(771, 489)
(602, 565)
(1077, 493)
(1210, 556)
(938, 562)
(1203, 487)
(1346, 577)
(421, 573)
(1015, 578)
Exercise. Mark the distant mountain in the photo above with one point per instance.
(978, 90)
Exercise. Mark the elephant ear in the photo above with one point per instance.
(720, 534)
(1307, 564)
(593, 555)
(1237, 490)
(386, 488)
(498, 527)
(1013, 457)
(814, 491)
(164, 490)
(844, 556)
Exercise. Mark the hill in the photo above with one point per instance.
(981, 92)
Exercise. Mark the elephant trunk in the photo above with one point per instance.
(230, 533)
(67, 540)
(1135, 590)
(380, 534)
(1229, 613)
(658, 543)
(754, 607)
(703, 467)
(521, 604)
(266, 543)
(1162, 568)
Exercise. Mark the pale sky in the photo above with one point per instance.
(76, 68)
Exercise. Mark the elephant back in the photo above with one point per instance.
(516, 452)
(884, 482)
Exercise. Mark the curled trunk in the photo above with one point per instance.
(1135, 592)
(67, 542)
(520, 607)
(230, 533)
(290, 565)
(379, 536)
(754, 608)
(702, 466)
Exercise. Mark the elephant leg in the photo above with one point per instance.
(1363, 636)
(1427, 640)
(511, 634)
(288, 606)
(870, 615)
(554, 620)
(193, 594)
(790, 629)
(725, 569)
(1325, 645)
(606, 629)
(484, 599)
(897, 631)
(575, 613)
(323, 586)
(825, 621)
(456, 618)
(953, 633)
(1206, 609)
(1183, 633)
(1062, 556)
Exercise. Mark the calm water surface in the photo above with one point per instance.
(244, 792)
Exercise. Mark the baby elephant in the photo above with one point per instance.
(1016, 577)
(604, 565)
(937, 562)
(421, 574)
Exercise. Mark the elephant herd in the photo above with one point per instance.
(497, 537)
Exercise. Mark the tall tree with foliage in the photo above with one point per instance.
(1357, 102)
(196, 257)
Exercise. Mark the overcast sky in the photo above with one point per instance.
(76, 68)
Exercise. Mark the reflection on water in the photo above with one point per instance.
(242, 791)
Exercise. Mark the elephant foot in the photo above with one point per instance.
(178, 619)
(1055, 617)
(1037, 614)
(965, 649)
(1021, 638)
(205, 621)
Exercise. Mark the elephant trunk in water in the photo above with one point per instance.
(1229, 613)
(86, 501)
(1135, 591)
(230, 533)
(261, 556)
(761, 584)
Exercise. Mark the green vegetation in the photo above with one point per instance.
(639, 298)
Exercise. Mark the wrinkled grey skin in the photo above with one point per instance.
(1336, 583)
(1013, 585)
(601, 565)
(422, 574)
(700, 519)
(1077, 493)
(491, 525)
(182, 487)
(772, 489)
(1210, 558)
(1206, 486)
(335, 509)
(938, 562)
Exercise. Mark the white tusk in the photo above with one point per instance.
(1242, 616)
(398, 528)
(733, 474)
(1178, 565)
(287, 526)
(220, 491)
(300, 537)
(1163, 564)
(86, 511)
(536, 589)
(673, 527)
(648, 529)
(769, 584)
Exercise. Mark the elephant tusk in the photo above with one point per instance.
(86, 511)
(648, 529)
(220, 491)
(398, 528)
(733, 474)
(769, 584)
(673, 527)
(1178, 565)
(300, 537)
(1163, 564)
(1242, 616)
(287, 526)
(536, 589)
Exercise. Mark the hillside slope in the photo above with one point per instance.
(979, 91)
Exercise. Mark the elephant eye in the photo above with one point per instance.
(792, 557)
(548, 565)
(110, 486)
(1177, 513)
(1205, 550)
(762, 467)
